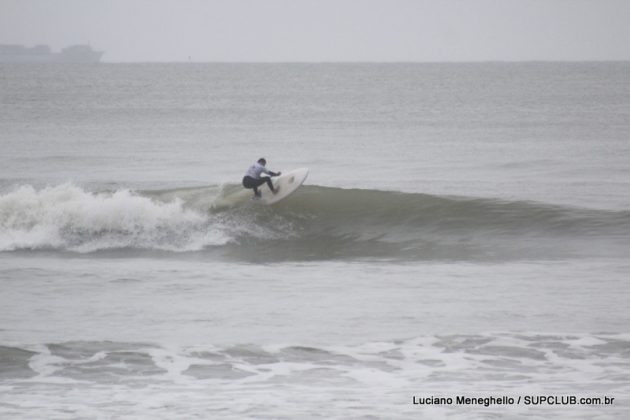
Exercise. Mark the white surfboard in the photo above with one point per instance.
(286, 184)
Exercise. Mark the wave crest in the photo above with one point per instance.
(315, 223)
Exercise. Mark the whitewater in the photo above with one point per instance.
(464, 233)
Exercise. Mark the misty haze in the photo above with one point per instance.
(314, 209)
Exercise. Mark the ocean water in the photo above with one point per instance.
(464, 232)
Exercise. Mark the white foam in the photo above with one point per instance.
(172, 362)
(68, 217)
(44, 363)
(366, 383)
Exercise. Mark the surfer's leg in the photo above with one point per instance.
(270, 184)
(251, 183)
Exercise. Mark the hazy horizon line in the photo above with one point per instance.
(368, 61)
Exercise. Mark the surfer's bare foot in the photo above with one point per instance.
(275, 190)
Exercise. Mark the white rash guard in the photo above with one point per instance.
(255, 170)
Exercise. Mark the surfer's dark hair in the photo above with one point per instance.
(262, 161)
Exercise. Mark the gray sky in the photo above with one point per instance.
(326, 30)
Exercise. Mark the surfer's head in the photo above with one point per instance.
(262, 161)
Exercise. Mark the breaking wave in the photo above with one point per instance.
(316, 223)
(279, 380)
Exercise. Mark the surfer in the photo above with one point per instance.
(252, 178)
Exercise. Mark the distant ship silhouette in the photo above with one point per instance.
(10, 53)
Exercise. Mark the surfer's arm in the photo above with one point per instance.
(271, 173)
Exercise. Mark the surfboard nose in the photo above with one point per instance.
(285, 185)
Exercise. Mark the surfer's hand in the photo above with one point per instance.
(278, 173)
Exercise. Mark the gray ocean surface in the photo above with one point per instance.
(464, 231)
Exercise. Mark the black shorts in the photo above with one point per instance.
(249, 182)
